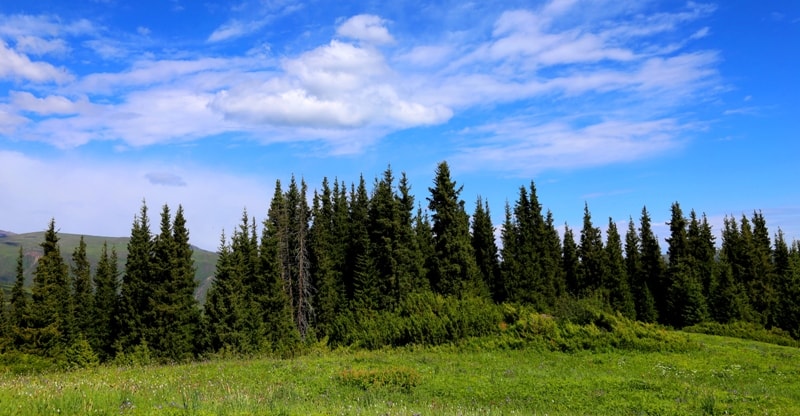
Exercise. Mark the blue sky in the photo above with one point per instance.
(618, 104)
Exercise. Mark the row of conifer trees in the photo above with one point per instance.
(315, 272)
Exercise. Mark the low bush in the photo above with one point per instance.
(745, 330)
(400, 378)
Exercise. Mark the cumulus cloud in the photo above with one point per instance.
(347, 92)
(367, 28)
(18, 66)
(339, 85)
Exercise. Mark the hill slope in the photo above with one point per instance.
(10, 243)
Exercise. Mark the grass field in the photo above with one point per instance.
(720, 376)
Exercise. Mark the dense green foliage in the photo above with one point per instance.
(373, 268)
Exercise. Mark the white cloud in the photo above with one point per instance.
(10, 121)
(427, 55)
(337, 86)
(367, 28)
(38, 46)
(526, 148)
(234, 29)
(18, 66)
(348, 93)
(53, 104)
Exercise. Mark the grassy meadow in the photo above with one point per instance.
(717, 376)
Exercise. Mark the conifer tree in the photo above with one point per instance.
(18, 314)
(642, 296)
(571, 263)
(298, 217)
(158, 317)
(762, 288)
(83, 311)
(592, 256)
(181, 312)
(233, 324)
(703, 251)
(102, 336)
(485, 247)
(686, 303)
(51, 316)
(510, 267)
(423, 235)
(326, 278)
(137, 286)
(652, 265)
(361, 275)
(553, 273)
(384, 230)
(616, 281)
(454, 269)
(275, 302)
(533, 283)
(787, 275)
(410, 264)
(730, 301)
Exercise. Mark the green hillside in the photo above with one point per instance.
(10, 243)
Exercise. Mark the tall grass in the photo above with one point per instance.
(719, 376)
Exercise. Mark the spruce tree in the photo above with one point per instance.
(686, 302)
(510, 267)
(454, 272)
(616, 281)
(485, 247)
(787, 275)
(275, 302)
(51, 316)
(703, 251)
(423, 236)
(82, 292)
(102, 336)
(592, 257)
(183, 317)
(652, 267)
(642, 296)
(232, 322)
(553, 273)
(410, 264)
(762, 288)
(18, 313)
(323, 266)
(570, 263)
(730, 301)
(360, 273)
(384, 230)
(137, 286)
(298, 217)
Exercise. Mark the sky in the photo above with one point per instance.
(618, 104)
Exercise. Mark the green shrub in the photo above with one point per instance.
(745, 330)
(19, 363)
(81, 355)
(400, 378)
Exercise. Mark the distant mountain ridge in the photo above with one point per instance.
(10, 243)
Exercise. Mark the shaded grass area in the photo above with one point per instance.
(721, 376)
